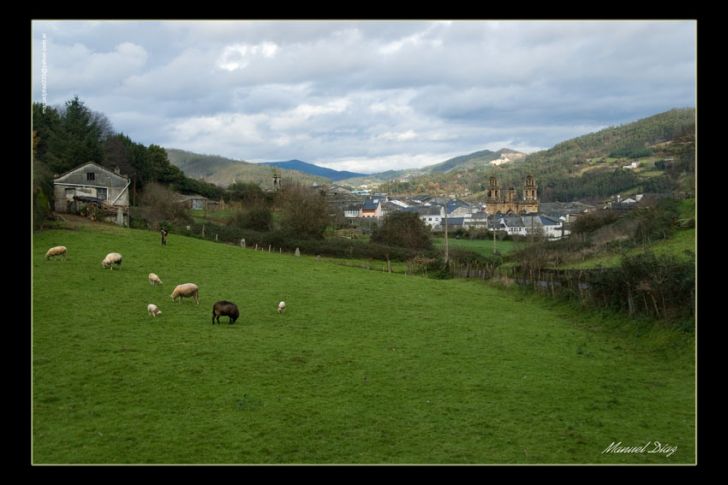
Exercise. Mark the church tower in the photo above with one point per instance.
(493, 192)
(529, 189)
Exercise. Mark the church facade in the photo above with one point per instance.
(507, 201)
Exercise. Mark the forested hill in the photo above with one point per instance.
(632, 140)
(589, 167)
(225, 171)
(473, 160)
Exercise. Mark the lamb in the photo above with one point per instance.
(153, 309)
(56, 251)
(282, 307)
(154, 279)
(185, 291)
(111, 259)
(222, 308)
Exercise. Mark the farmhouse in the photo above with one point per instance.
(196, 201)
(91, 186)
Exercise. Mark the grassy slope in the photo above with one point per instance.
(480, 246)
(364, 367)
(680, 245)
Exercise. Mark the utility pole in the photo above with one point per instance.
(495, 250)
(447, 258)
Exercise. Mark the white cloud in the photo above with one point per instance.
(398, 136)
(239, 56)
(401, 161)
(76, 66)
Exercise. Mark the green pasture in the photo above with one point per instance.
(363, 367)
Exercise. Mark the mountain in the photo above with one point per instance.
(224, 171)
(315, 170)
(479, 159)
(622, 141)
(482, 157)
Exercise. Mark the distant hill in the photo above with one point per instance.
(225, 171)
(482, 157)
(479, 159)
(588, 168)
(620, 141)
(315, 170)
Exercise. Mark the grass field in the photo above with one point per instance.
(681, 246)
(364, 366)
(480, 246)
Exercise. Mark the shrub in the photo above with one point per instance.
(403, 229)
(305, 213)
(590, 222)
(258, 218)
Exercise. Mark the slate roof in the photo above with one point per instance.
(370, 204)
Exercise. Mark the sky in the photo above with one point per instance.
(366, 96)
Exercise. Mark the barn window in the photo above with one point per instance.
(90, 176)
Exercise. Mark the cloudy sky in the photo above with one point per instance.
(366, 96)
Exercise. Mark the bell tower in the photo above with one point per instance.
(492, 194)
(530, 193)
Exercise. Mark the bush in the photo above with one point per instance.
(305, 213)
(403, 229)
(157, 204)
(588, 223)
(258, 218)
(657, 222)
(647, 284)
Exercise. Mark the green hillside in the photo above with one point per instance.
(621, 141)
(588, 167)
(224, 171)
(680, 246)
(364, 367)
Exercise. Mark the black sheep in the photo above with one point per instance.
(222, 308)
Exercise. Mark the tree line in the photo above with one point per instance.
(70, 135)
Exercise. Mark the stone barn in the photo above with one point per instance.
(92, 185)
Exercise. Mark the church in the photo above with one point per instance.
(508, 202)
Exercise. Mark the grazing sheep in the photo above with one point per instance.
(153, 309)
(57, 251)
(186, 290)
(111, 259)
(154, 279)
(222, 308)
(282, 307)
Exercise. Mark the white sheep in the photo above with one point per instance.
(57, 251)
(153, 309)
(111, 259)
(282, 307)
(154, 279)
(186, 290)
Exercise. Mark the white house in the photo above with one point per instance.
(431, 215)
(513, 225)
(352, 211)
(372, 208)
(549, 227)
